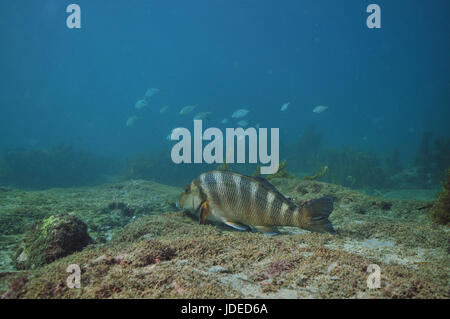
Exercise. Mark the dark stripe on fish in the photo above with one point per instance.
(261, 204)
(212, 188)
(245, 189)
(275, 208)
(231, 196)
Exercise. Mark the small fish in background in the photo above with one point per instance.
(285, 106)
(242, 201)
(378, 123)
(163, 109)
(240, 113)
(242, 123)
(32, 142)
(202, 116)
(151, 92)
(131, 121)
(187, 109)
(320, 108)
(141, 104)
(224, 121)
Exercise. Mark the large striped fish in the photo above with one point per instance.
(240, 201)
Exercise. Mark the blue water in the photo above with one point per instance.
(384, 87)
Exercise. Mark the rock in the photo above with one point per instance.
(123, 258)
(332, 267)
(99, 259)
(54, 237)
(22, 257)
(217, 269)
(388, 290)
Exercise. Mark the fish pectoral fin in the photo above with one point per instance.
(268, 230)
(204, 212)
(235, 225)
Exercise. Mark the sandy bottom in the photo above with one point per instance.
(158, 252)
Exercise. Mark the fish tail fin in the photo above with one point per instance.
(315, 215)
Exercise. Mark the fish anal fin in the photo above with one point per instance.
(204, 212)
(268, 230)
(235, 225)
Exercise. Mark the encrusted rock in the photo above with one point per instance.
(54, 237)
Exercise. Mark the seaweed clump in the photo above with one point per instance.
(59, 166)
(321, 173)
(281, 173)
(393, 163)
(17, 220)
(423, 153)
(223, 167)
(432, 159)
(440, 212)
(307, 151)
(441, 153)
(52, 238)
(353, 168)
(346, 166)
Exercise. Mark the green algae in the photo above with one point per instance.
(223, 167)
(440, 212)
(52, 238)
(17, 220)
(321, 173)
(281, 173)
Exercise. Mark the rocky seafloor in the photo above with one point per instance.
(144, 248)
